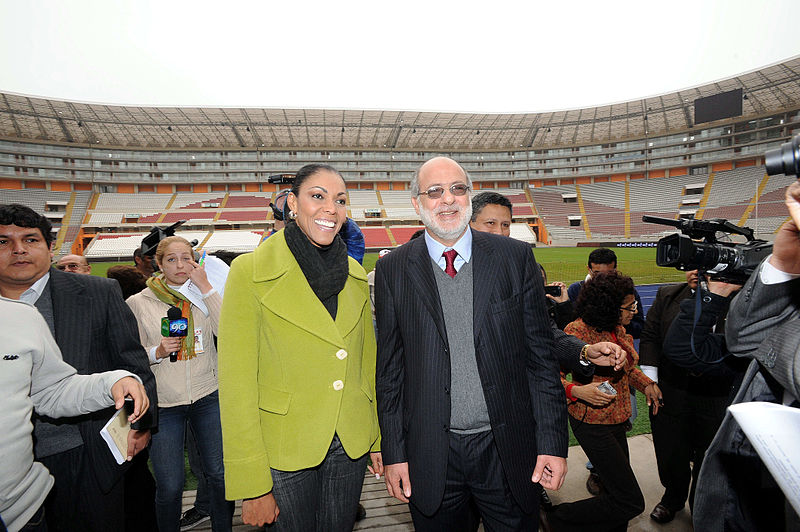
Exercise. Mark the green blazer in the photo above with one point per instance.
(289, 375)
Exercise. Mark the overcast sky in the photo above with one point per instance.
(489, 56)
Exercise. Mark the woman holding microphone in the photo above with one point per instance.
(187, 381)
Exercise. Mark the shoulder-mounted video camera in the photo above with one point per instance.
(724, 261)
(697, 248)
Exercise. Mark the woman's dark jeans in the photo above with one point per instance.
(323, 498)
(166, 454)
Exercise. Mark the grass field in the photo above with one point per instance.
(562, 264)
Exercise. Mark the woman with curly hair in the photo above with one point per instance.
(606, 304)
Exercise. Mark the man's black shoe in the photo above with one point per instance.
(593, 484)
(191, 518)
(362, 512)
(662, 514)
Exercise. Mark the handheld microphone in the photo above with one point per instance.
(174, 325)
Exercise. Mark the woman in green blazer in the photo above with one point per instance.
(297, 369)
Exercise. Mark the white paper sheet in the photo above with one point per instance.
(115, 434)
(217, 273)
(774, 432)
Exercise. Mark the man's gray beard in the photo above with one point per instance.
(432, 226)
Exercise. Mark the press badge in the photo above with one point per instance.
(198, 342)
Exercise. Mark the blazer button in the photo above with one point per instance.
(338, 385)
(447, 390)
(341, 354)
(444, 427)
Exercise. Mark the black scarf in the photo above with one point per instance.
(325, 268)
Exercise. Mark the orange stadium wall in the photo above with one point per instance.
(657, 173)
(675, 172)
(60, 186)
(616, 178)
(126, 188)
(36, 184)
(721, 167)
(11, 184)
(749, 162)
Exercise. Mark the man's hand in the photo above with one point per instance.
(260, 511)
(137, 440)
(550, 471)
(397, 482)
(786, 246)
(591, 394)
(376, 465)
(563, 297)
(130, 387)
(722, 289)
(654, 397)
(607, 354)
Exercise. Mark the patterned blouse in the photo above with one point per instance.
(618, 410)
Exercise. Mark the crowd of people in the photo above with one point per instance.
(453, 371)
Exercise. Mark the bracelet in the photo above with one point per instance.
(584, 359)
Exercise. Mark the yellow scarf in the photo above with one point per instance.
(176, 299)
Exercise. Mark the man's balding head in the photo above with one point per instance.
(74, 264)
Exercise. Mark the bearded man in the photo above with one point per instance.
(469, 399)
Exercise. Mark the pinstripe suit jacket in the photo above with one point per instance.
(96, 331)
(518, 371)
(734, 492)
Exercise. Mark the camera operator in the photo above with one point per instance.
(734, 491)
(696, 393)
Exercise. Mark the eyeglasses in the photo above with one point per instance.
(69, 266)
(632, 307)
(459, 189)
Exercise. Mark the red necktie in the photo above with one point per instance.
(450, 257)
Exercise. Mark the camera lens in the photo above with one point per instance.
(784, 160)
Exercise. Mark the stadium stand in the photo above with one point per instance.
(103, 174)
(376, 237)
(402, 234)
(122, 245)
(132, 203)
(236, 241)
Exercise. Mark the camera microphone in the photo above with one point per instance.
(174, 325)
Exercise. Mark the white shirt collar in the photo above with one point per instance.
(34, 292)
(463, 247)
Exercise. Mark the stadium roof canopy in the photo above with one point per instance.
(768, 90)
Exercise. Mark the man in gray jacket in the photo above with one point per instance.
(33, 376)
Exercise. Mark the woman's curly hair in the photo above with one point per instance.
(601, 297)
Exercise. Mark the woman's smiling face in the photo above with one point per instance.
(320, 206)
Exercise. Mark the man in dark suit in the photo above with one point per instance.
(96, 332)
(694, 404)
(469, 398)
